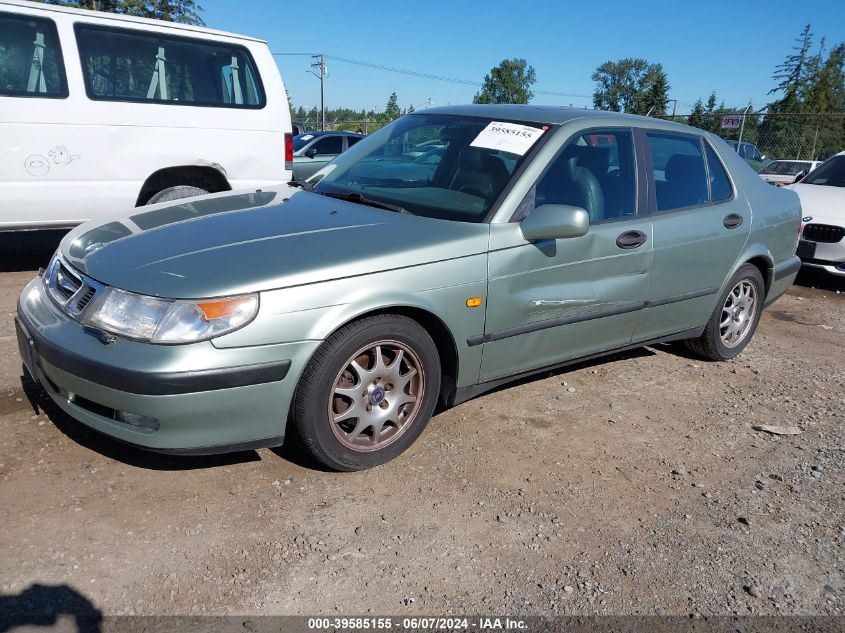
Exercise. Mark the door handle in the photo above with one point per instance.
(631, 239)
(732, 220)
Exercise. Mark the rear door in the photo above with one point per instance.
(700, 224)
(554, 300)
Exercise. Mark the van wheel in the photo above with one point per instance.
(367, 393)
(735, 318)
(177, 193)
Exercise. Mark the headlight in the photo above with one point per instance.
(170, 322)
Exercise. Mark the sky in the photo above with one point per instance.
(730, 47)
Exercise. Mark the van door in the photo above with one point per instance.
(35, 156)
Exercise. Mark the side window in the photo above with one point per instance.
(329, 145)
(124, 65)
(596, 170)
(351, 140)
(30, 58)
(680, 177)
(720, 184)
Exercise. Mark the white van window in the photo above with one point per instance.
(124, 65)
(30, 58)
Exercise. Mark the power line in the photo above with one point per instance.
(422, 75)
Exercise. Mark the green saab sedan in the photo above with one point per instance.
(343, 309)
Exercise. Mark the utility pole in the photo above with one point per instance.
(321, 75)
(742, 129)
(674, 107)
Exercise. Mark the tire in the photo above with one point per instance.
(344, 379)
(177, 193)
(730, 328)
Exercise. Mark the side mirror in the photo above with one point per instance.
(311, 152)
(800, 175)
(555, 221)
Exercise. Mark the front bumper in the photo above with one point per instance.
(828, 256)
(182, 398)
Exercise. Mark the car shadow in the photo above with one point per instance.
(822, 280)
(28, 250)
(43, 605)
(117, 450)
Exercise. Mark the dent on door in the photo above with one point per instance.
(554, 300)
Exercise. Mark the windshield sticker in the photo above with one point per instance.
(513, 138)
(306, 137)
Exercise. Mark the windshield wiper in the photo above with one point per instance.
(302, 184)
(357, 198)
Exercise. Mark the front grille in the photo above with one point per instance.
(69, 289)
(823, 233)
(85, 299)
(67, 282)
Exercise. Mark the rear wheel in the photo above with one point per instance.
(177, 193)
(735, 318)
(368, 392)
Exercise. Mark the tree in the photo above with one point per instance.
(509, 82)
(631, 85)
(182, 11)
(654, 92)
(791, 75)
(391, 110)
(807, 84)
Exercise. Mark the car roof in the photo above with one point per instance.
(126, 19)
(328, 133)
(556, 115)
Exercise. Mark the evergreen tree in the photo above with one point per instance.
(182, 11)
(391, 110)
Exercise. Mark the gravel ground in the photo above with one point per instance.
(630, 485)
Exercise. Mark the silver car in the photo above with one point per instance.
(312, 150)
(453, 251)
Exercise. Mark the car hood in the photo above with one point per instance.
(822, 203)
(246, 242)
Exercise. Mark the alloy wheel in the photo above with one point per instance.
(738, 313)
(376, 396)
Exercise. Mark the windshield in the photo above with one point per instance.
(785, 168)
(831, 173)
(436, 165)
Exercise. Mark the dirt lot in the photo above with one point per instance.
(631, 485)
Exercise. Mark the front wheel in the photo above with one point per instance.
(735, 318)
(367, 393)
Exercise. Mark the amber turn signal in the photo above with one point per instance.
(473, 302)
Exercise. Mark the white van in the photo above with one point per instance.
(101, 112)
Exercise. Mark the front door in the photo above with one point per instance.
(554, 300)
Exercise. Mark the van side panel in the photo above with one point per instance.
(64, 161)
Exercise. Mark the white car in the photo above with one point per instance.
(822, 193)
(783, 172)
(102, 112)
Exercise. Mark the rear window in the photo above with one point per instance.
(720, 184)
(30, 58)
(147, 67)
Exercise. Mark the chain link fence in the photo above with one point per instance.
(766, 136)
(364, 126)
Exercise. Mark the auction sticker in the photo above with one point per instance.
(513, 138)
